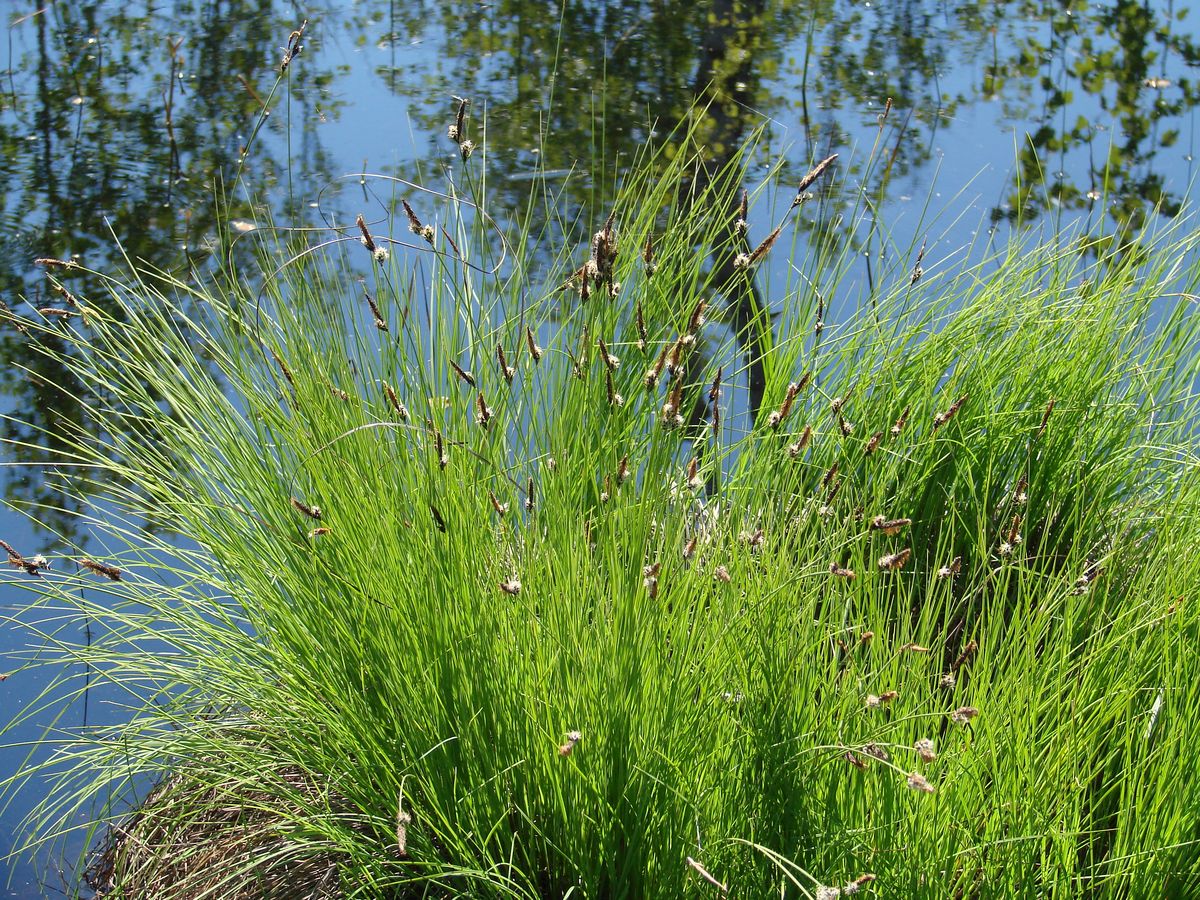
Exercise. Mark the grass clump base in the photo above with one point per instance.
(486, 588)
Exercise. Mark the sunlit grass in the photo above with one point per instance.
(491, 633)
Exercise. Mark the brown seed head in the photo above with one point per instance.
(640, 322)
(506, 371)
(379, 320)
(1045, 420)
(414, 224)
(293, 48)
(655, 371)
(833, 492)
(500, 508)
(394, 400)
(1014, 531)
(917, 270)
(917, 782)
(714, 392)
(456, 132)
(829, 476)
(609, 360)
(894, 561)
(367, 240)
(1019, 495)
(313, 512)
(675, 357)
(841, 572)
(794, 450)
(942, 418)
(623, 470)
(887, 108)
(614, 399)
(889, 526)
(874, 701)
(777, 417)
(573, 738)
(853, 887)
(753, 539)
(951, 570)
(963, 715)
(439, 448)
(670, 411)
(484, 412)
(967, 652)
(648, 257)
(875, 751)
(765, 247)
(810, 179)
(110, 572)
(534, 350)
(463, 374)
(287, 373)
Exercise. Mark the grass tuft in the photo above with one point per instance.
(480, 587)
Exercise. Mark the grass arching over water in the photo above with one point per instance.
(527, 649)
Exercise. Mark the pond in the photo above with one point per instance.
(120, 122)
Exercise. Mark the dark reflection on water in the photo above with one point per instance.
(122, 122)
(125, 121)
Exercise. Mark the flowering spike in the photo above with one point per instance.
(462, 373)
(506, 370)
(893, 561)
(534, 350)
(1045, 420)
(776, 418)
(455, 132)
(313, 512)
(500, 508)
(942, 418)
(110, 572)
(648, 257)
(380, 322)
(808, 180)
(484, 414)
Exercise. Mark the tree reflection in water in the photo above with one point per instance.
(123, 123)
